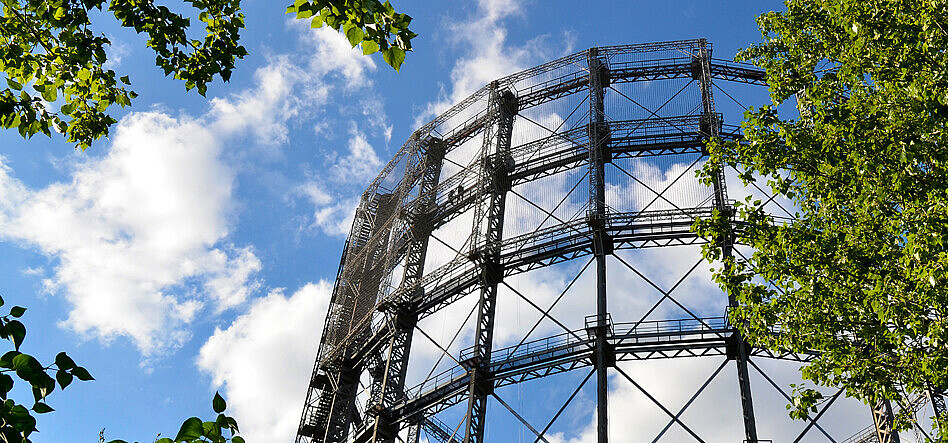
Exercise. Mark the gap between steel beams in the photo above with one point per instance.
(818, 415)
(544, 313)
(692, 399)
(456, 335)
(787, 397)
(515, 414)
(562, 200)
(729, 96)
(555, 131)
(439, 346)
(667, 294)
(647, 109)
(558, 134)
(549, 214)
(558, 298)
(663, 104)
(661, 195)
(658, 403)
(563, 408)
(660, 290)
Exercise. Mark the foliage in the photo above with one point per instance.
(55, 65)
(193, 430)
(861, 272)
(16, 421)
(372, 23)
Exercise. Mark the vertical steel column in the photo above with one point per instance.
(493, 185)
(330, 377)
(366, 282)
(937, 399)
(882, 418)
(602, 244)
(392, 378)
(711, 127)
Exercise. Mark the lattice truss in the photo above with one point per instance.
(472, 301)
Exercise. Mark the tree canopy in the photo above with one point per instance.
(860, 272)
(54, 61)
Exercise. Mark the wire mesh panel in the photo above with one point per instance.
(477, 260)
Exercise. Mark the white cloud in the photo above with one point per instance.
(488, 54)
(140, 236)
(264, 359)
(360, 165)
(131, 228)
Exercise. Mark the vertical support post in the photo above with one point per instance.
(937, 399)
(602, 245)
(882, 418)
(330, 382)
(392, 378)
(364, 288)
(711, 127)
(493, 185)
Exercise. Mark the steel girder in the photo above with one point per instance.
(704, 337)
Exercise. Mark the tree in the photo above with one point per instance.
(16, 420)
(372, 23)
(54, 62)
(860, 273)
(194, 430)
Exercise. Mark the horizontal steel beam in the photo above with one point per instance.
(570, 350)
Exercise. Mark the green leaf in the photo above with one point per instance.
(17, 311)
(6, 361)
(219, 404)
(237, 439)
(64, 378)
(191, 428)
(6, 384)
(17, 332)
(394, 56)
(42, 408)
(81, 373)
(355, 35)
(64, 362)
(369, 47)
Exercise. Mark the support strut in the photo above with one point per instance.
(390, 381)
(711, 127)
(489, 224)
(602, 244)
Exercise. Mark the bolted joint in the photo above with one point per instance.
(406, 318)
(435, 149)
(492, 272)
(608, 355)
(509, 103)
(696, 71)
(734, 343)
(601, 138)
(320, 381)
(709, 124)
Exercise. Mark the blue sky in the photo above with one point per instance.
(195, 249)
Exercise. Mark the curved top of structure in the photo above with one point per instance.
(587, 155)
(457, 136)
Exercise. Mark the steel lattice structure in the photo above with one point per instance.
(590, 123)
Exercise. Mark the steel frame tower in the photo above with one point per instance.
(461, 168)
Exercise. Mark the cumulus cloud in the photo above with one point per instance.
(264, 359)
(138, 234)
(487, 53)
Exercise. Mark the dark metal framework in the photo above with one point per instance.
(461, 168)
